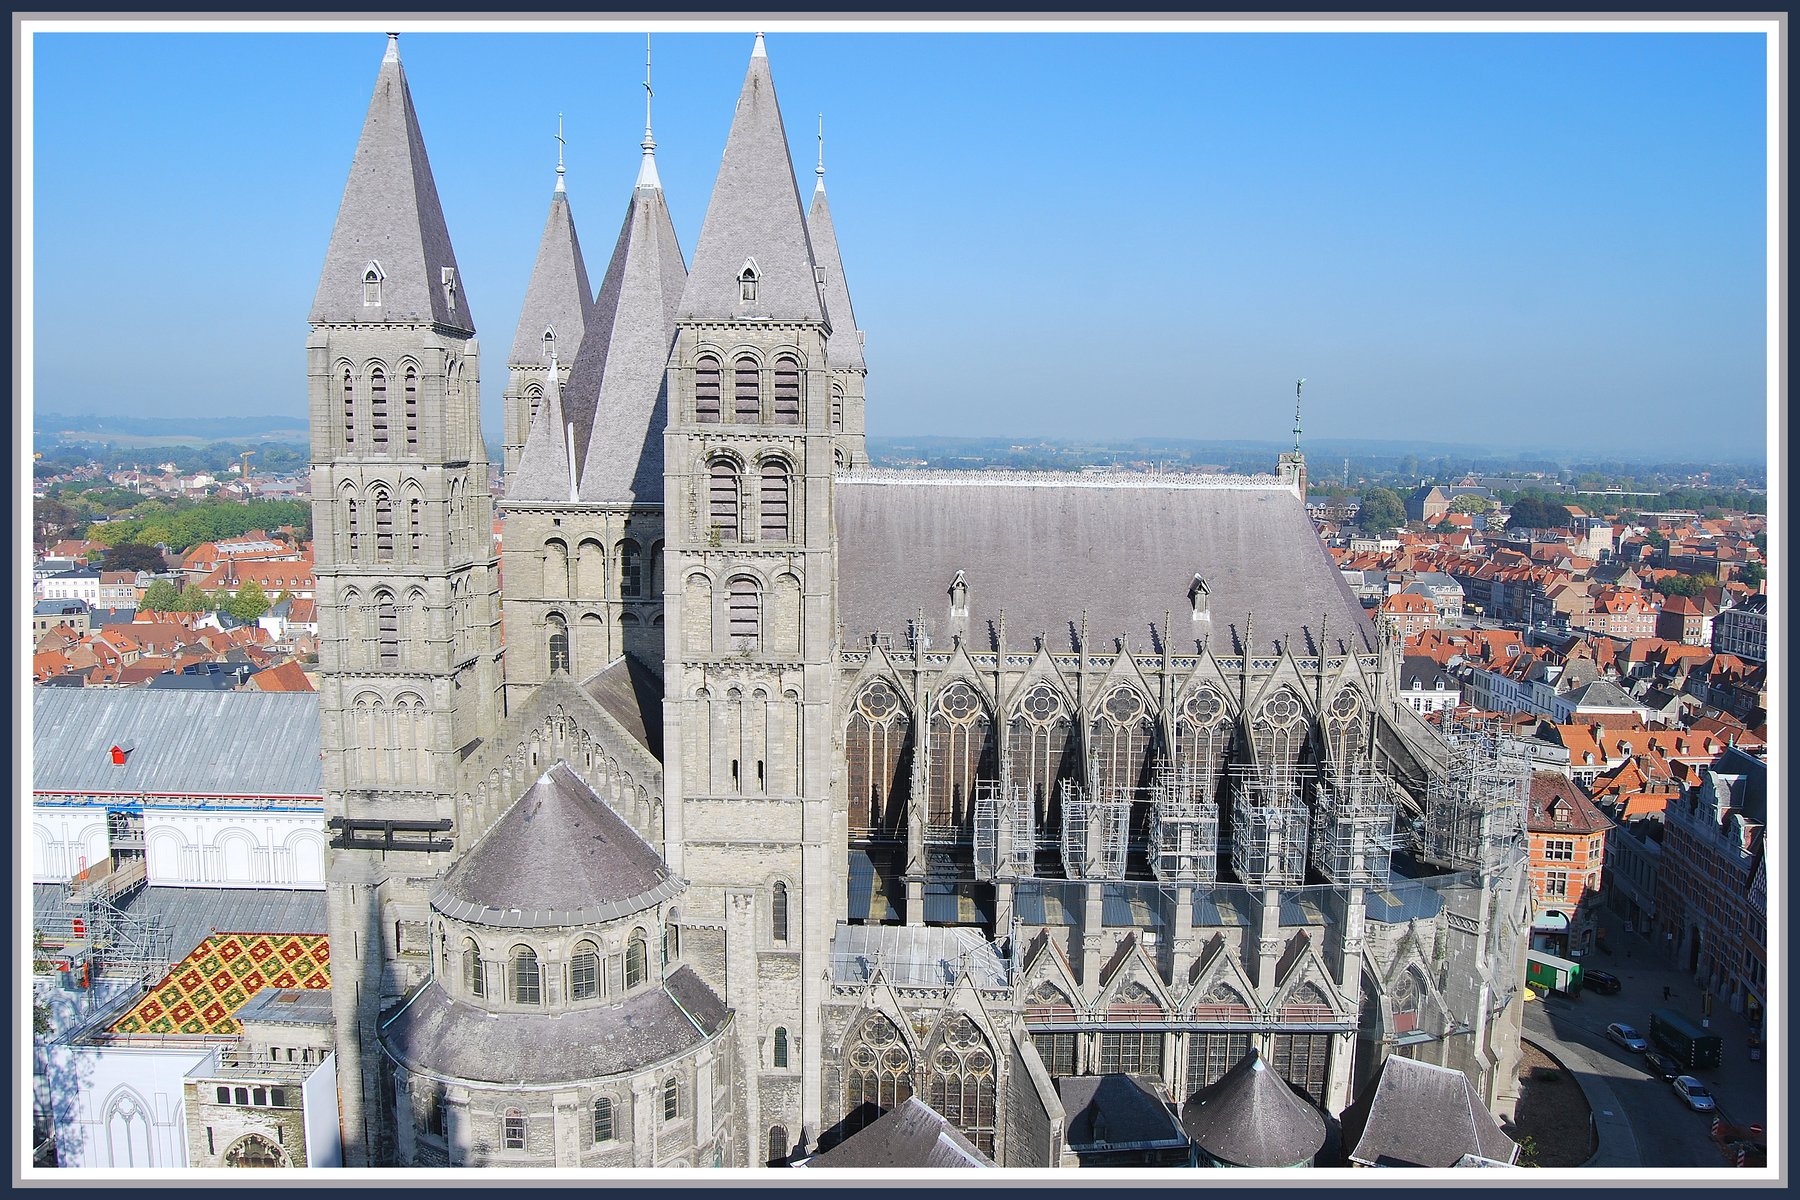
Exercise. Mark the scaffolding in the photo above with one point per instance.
(1353, 827)
(1005, 839)
(1094, 830)
(1184, 827)
(1268, 827)
(93, 928)
(1475, 813)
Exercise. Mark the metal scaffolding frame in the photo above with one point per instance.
(1005, 837)
(1184, 827)
(91, 926)
(1353, 827)
(1475, 813)
(1268, 826)
(1094, 831)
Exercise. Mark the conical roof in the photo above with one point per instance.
(844, 346)
(390, 216)
(754, 217)
(620, 375)
(560, 856)
(1250, 1117)
(558, 295)
(543, 472)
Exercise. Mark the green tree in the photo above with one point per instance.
(1686, 585)
(193, 600)
(161, 596)
(1471, 504)
(248, 603)
(1380, 510)
(133, 556)
(1752, 574)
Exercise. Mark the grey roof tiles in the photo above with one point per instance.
(558, 295)
(1250, 1117)
(754, 215)
(543, 472)
(390, 215)
(1421, 1115)
(912, 1135)
(1047, 548)
(844, 346)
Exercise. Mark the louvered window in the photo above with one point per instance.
(378, 411)
(774, 505)
(412, 411)
(384, 528)
(387, 632)
(778, 914)
(746, 391)
(743, 610)
(349, 398)
(787, 392)
(723, 498)
(706, 390)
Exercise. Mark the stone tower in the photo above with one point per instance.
(558, 302)
(409, 653)
(584, 516)
(749, 600)
(845, 345)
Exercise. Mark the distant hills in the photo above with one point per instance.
(107, 427)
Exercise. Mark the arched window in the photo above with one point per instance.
(556, 569)
(778, 913)
(706, 389)
(348, 394)
(415, 528)
(959, 737)
(1203, 736)
(743, 611)
(603, 1120)
(1280, 730)
(387, 631)
(631, 567)
(775, 502)
(878, 1072)
(672, 939)
(671, 1099)
(474, 970)
(412, 410)
(378, 410)
(635, 959)
(384, 524)
(527, 985)
(254, 1150)
(558, 642)
(878, 754)
(1040, 750)
(584, 973)
(350, 526)
(512, 1129)
(837, 409)
(1344, 726)
(962, 1087)
(372, 285)
(549, 340)
(1120, 739)
(746, 395)
(787, 391)
(780, 1049)
(778, 1145)
(722, 500)
(747, 282)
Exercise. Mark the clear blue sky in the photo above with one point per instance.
(1525, 239)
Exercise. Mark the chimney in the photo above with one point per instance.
(118, 755)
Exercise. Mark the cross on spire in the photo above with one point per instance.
(647, 176)
(559, 153)
(1297, 388)
(820, 171)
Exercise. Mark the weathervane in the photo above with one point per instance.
(1297, 388)
(821, 167)
(649, 94)
(559, 152)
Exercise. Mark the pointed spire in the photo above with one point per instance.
(559, 154)
(754, 221)
(759, 50)
(844, 346)
(558, 296)
(647, 176)
(390, 229)
(544, 472)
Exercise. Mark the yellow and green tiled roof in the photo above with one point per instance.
(203, 991)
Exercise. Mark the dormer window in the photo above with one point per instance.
(448, 276)
(549, 340)
(747, 280)
(372, 277)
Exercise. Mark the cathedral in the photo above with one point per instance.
(776, 789)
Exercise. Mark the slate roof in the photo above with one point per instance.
(631, 693)
(560, 856)
(188, 743)
(844, 347)
(1047, 547)
(1116, 1112)
(558, 295)
(1250, 1117)
(755, 214)
(1419, 671)
(1600, 693)
(543, 472)
(446, 1037)
(1421, 1115)
(618, 392)
(390, 214)
(913, 1135)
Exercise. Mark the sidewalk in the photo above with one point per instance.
(1618, 1144)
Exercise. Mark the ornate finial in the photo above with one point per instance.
(559, 154)
(820, 170)
(393, 49)
(1297, 388)
(647, 176)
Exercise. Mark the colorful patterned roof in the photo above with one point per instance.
(204, 991)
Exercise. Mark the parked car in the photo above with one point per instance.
(1693, 1093)
(1661, 1065)
(1604, 982)
(1627, 1037)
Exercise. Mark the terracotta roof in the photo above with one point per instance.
(288, 677)
(1559, 806)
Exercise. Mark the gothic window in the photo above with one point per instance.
(837, 409)
(879, 1073)
(415, 528)
(960, 753)
(431, 1109)
(1344, 726)
(774, 506)
(779, 1054)
(1404, 1002)
(558, 642)
(778, 913)
(878, 753)
(671, 1099)
(722, 496)
(1210, 1055)
(746, 393)
(384, 525)
(355, 534)
(512, 1129)
(527, 983)
(387, 631)
(1122, 735)
(1203, 735)
(743, 604)
(631, 567)
(1280, 731)
(378, 410)
(1300, 1058)
(747, 282)
(603, 1120)
(474, 970)
(787, 391)
(962, 1087)
(549, 340)
(411, 404)
(635, 959)
(584, 972)
(348, 395)
(254, 1150)
(372, 285)
(1131, 1053)
(706, 389)
(128, 1133)
(1039, 750)
(778, 1145)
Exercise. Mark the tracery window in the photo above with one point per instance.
(960, 729)
(1203, 730)
(1040, 752)
(1280, 731)
(878, 753)
(879, 1073)
(1121, 739)
(1344, 727)
(962, 1087)
(558, 642)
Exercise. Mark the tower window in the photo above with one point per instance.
(787, 392)
(350, 514)
(706, 390)
(723, 499)
(559, 643)
(412, 411)
(387, 631)
(631, 567)
(837, 409)
(372, 285)
(527, 984)
(414, 528)
(349, 398)
(549, 340)
(774, 498)
(746, 391)
(778, 913)
(747, 282)
(384, 528)
(743, 612)
(378, 411)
